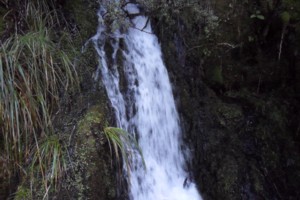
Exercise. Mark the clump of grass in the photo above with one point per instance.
(121, 141)
(43, 12)
(23, 193)
(33, 71)
(48, 159)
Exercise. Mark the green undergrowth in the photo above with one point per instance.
(97, 151)
(121, 143)
(35, 70)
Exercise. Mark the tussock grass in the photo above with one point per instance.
(43, 12)
(23, 193)
(121, 141)
(33, 71)
(48, 159)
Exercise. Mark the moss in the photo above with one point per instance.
(81, 118)
(91, 176)
(242, 138)
(214, 75)
(84, 14)
(230, 112)
(285, 17)
(228, 175)
(23, 193)
(93, 116)
(228, 115)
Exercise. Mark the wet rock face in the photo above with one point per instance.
(237, 119)
(92, 173)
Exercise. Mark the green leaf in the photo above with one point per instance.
(260, 17)
(285, 17)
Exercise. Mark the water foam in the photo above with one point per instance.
(147, 109)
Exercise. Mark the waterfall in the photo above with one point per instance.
(147, 109)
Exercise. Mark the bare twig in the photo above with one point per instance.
(142, 30)
(281, 42)
(228, 45)
(147, 22)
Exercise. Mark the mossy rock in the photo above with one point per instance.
(92, 117)
(228, 115)
(85, 15)
(215, 76)
(91, 177)
(228, 176)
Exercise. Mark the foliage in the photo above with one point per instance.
(285, 17)
(120, 140)
(292, 7)
(153, 5)
(34, 70)
(23, 193)
(257, 15)
(48, 159)
(116, 15)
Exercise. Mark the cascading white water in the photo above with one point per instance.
(150, 112)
